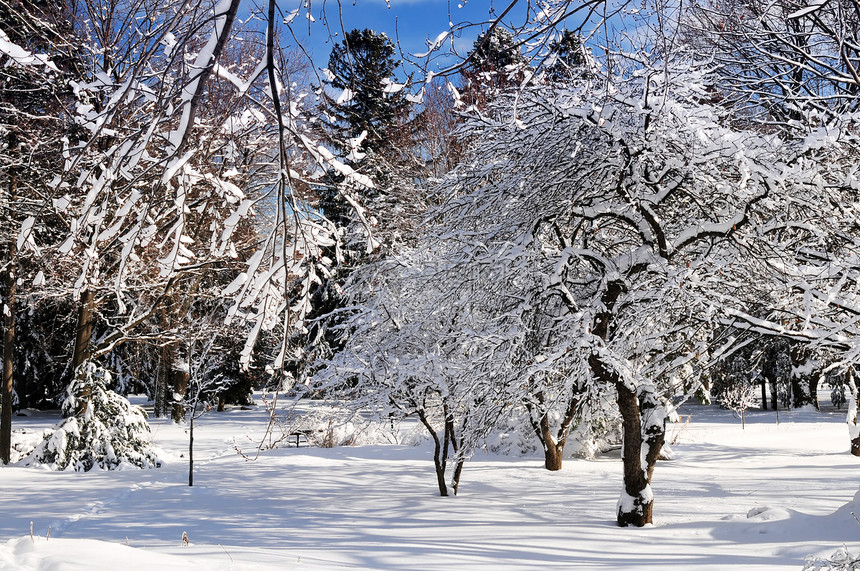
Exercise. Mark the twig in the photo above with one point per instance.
(225, 551)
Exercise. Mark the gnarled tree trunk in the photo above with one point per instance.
(553, 444)
(553, 451)
(644, 426)
(643, 421)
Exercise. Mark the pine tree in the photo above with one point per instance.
(494, 64)
(567, 58)
(496, 52)
(368, 120)
(360, 70)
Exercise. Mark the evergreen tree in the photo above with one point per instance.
(494, 64)
(567, 58)
(367, 100)
(101, 429)
(496, 52)
(367, 119)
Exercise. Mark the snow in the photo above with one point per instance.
(21, 56)
(757, 499)
(345, 96)
(812, 7)
(390, 87)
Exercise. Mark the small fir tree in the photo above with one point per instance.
(101, 429)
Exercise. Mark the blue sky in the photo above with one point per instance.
(412, 22)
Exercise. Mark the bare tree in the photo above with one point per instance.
(781, 62)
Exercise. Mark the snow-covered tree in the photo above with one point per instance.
(409, 352)
(777, 62)
(738, 396)
(179, 147)
(36, 63)
(366, 108)
(101, 429)
(638, 208)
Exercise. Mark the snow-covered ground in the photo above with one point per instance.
(754, 499)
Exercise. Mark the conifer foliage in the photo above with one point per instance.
(101, 429)
(360, 69)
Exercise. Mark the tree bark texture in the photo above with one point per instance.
(855, 446)
(8, 308)
(553, 451)
(439, 454)
(84, 330)
(83, 340)
(180, 386)
(636, 481)
(636, 505)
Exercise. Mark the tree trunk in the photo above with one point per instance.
(853, 402)
(458, 471)
(191, 451)
(553, 444)
(84, 330)
(439, 454)
(855, 446)
(763, 393)
(802, 390)
(636, 505)
(8, 309)
(813, 389)
(451, 439)
(643, 425)
(83, 340)
(553, 451)
(162, 381)
(180, 386)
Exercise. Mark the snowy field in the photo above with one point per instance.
(754, 499)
